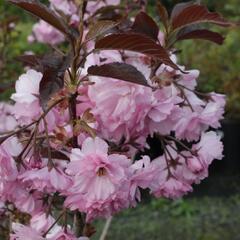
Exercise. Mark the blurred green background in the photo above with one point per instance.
(204, 217)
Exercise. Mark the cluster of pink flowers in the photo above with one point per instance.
(100, 183)
(102, 176)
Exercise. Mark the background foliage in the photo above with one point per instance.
(191, 219)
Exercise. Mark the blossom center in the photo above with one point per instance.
(101, 172)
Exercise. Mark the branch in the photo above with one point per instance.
(106, 228)
(4, 138)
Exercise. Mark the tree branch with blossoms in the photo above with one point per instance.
(76, 149)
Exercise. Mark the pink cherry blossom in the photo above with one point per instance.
(192, 123)
(27, 87)
(45, 33)
(143, 172)
(124, 115)
(214, 110)
(65, 6)
(68, 8)
(209, 148)
(167, 183)
(94, 5)
(41, 222)
(97, 176)
(22, 232)
(195, 164)
(8, 170)
(27, 106)
(163, 108)
(58, 233)
(7, 121)
(46, 179)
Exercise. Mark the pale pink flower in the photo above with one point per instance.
(190, 169)
(60, 234)
(27, 105)
(189, 125)
(45, 33)
(161, 117)
(209, 148)
(143, 172)
(189, 79)
(93, 6)
(214, 110)
(12, 146)
(41, 222)
(18, 193)
(194, 168)
(7, 121)
(46, 179)
(167, 183)
(27, 87)
(22, 232)
(8, 150)
(97, 177)
(125, 114)
(65, 6)
(8, 170)
(172, 188)
(195, 165)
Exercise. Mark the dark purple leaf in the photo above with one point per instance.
(29, 60)
(137, 43)
(110, 12)
(54, 67)
(144, 24)
(99, 28)
(162, 11)
(180, 7)
(195, 14)
(201, 34)
(121, 71)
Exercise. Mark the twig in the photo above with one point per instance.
(50, 162)
(106, 228)
(51, 227)
(4, 138)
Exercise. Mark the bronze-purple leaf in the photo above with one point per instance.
(195, 14)
(52, 81)
(144, 24)
(137, 43)
(108, 9)
(163, 13)
(121, 71)
(178, 8)
(44, 13)
(110, 12)
(99, 28)
(30, 60)
(202, 34)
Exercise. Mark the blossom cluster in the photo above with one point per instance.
(101, 175)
